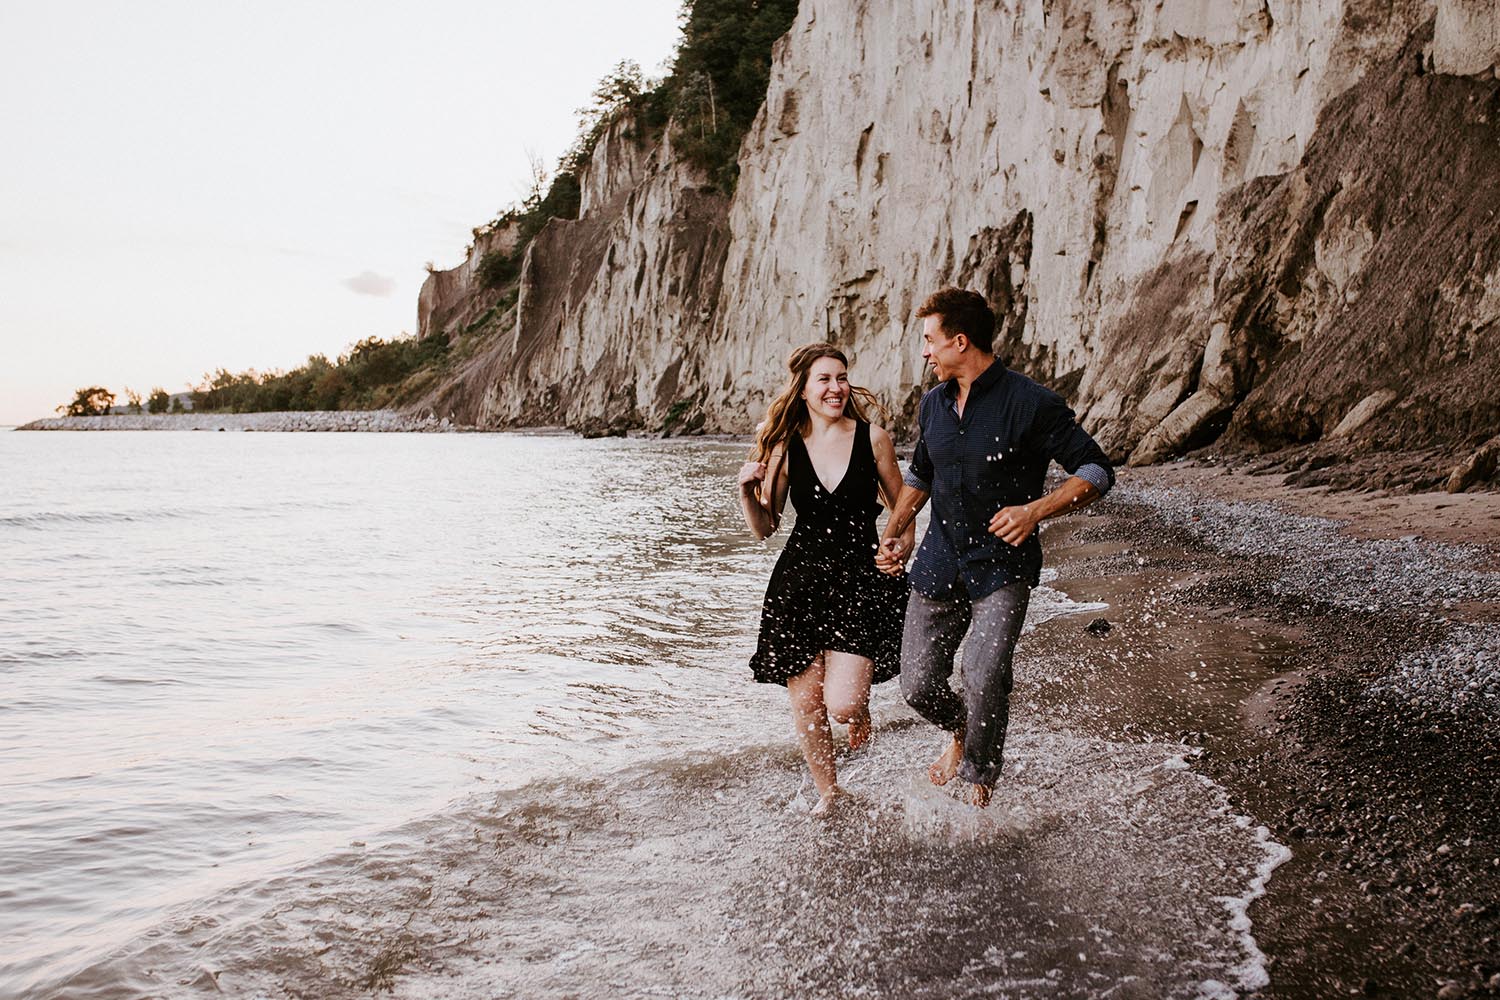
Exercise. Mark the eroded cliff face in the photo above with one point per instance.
(607, 304)
(1268, 218)
(456, 297)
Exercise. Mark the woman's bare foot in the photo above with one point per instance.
(859, 730)
(979, 796)
(829, 802)
(946, 766)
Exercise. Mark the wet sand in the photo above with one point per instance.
(1313, 665)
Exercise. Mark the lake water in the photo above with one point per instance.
(469, 716)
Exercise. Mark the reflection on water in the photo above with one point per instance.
(469, 716)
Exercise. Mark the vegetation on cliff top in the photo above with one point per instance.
(708, 99)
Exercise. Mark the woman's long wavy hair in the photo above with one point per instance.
(787, 414)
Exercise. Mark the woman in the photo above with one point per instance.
(831, 622)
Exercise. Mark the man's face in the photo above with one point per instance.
(939, 349)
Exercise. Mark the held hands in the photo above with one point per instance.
(1013, 525)
(891, 557)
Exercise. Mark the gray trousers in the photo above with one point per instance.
(933, 631)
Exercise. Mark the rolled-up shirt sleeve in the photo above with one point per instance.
(1061, 439)
(1101, 477)
(918, 473)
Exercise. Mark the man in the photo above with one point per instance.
(987, 437)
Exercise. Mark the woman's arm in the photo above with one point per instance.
(761, 502)
(890, 479)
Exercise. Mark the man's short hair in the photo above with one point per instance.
(962, 311)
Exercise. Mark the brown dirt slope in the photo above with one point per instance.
(1374, 266)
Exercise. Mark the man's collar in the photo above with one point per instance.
(994, 373)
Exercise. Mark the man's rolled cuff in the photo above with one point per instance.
(1096, 476)
(916, 482)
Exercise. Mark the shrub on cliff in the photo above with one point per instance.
(94, 401)
(498, 269)
(709, 98)
(561, 197)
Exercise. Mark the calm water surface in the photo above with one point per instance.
(468, 715)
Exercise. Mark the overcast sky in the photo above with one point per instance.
(187, 185)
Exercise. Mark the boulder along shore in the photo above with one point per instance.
(1334, 659)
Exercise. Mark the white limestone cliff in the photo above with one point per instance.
(608, 301)
(1118, 176)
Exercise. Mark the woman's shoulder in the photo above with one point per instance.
(880, 438)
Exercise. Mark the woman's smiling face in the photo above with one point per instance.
(827, 388)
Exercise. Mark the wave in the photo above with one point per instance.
(42, 519)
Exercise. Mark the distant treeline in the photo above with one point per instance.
(366, 378)
(709, 98)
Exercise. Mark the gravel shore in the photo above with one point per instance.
(1365, 737)
(368, 421)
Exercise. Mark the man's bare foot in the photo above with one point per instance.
(829, 802)
(979, 796)
(859, 730)
(946, 766)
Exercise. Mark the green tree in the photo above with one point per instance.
(617, 92)
(91, 402)
(132, 401)
(719, 78)
(158, 401)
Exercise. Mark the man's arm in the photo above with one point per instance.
(1015, 524)
(1057, 435)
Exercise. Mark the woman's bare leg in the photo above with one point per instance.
(810, 718)
(846, 693)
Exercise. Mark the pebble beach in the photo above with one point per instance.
(1370, 745)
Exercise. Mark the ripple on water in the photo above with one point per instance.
(329, 653)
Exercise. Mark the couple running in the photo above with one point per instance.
(840, 612)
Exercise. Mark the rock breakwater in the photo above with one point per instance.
(374, 421)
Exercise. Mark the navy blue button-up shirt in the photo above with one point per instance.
(995, 455)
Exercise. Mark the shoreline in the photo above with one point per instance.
(346, 421)
(1341, 678)
(333, 421)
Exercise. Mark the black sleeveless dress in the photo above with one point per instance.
(825, 592)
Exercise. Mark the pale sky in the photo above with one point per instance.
(188, 185)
